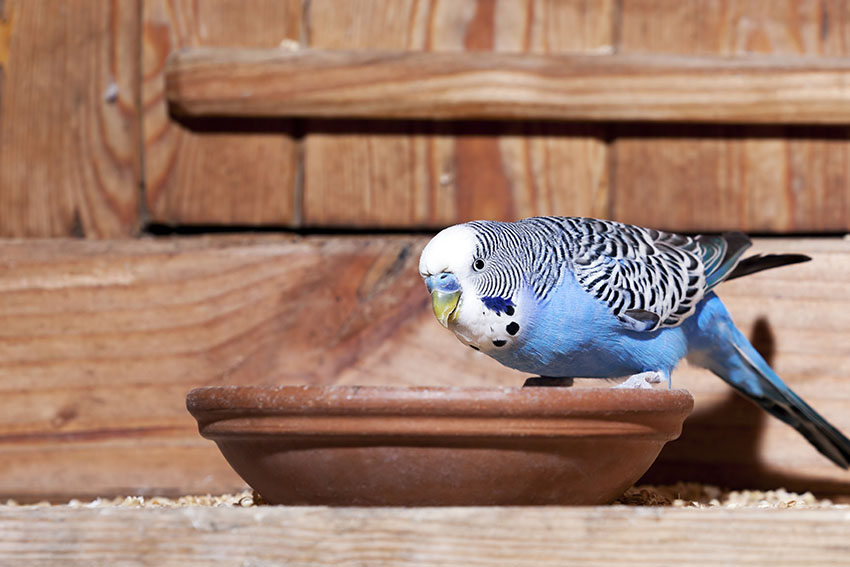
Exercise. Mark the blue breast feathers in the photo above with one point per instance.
(498, 304)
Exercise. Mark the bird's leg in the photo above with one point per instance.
(547, 381)
(643, 380)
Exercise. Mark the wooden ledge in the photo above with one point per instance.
(401, 537)
(464, 85)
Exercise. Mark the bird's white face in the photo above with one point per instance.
(451, 251)
(450, 267)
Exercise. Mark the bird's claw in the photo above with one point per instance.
(642, 381)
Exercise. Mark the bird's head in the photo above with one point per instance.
(448, 260)
(469, 273)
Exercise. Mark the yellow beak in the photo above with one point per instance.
(444, 304)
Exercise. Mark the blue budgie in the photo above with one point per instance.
(563, 297)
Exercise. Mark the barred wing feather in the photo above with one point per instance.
(649, 278)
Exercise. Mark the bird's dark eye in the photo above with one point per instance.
(478, 265)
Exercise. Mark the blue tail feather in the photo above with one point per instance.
(758, 382)
(716, 344)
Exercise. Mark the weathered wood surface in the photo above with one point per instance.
(505, 86)
(69, 118)
(214, 172)
(542, 536)
(771, 178)
(101, 341)
(414, 174)
(688, 177)
(71, 132)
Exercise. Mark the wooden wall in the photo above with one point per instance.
(102, 336)
(101, 340)
(91, 149)
(215, 173)
(767, 179)
(71, 157)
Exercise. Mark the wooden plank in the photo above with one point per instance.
(101, 341)
(602, 536)
(69, 125)
(443, 86)
(403, 174)
(208, 171)
(769, 178)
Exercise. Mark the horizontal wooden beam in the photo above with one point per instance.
(476, 85)
(521, 537)
(101, 341)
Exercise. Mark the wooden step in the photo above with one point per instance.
(101, 340)
(506, 86)
(411, 537)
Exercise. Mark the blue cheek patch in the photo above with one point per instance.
(499, 305)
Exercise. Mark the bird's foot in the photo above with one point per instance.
(547, 381)
(642, 381)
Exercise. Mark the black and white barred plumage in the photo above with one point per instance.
(648, 278)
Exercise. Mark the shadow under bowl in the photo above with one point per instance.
(435, 446)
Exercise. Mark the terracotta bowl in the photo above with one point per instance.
(371, 446)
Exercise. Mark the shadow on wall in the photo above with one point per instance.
(720, 444)
(299, 127)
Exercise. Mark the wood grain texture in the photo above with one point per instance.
(773, 178)
(403, 174)
(400, 537)
(102, 340)
(70, 162)
(471, 85)
(216, 172)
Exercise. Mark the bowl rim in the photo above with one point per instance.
(412, 400)
(436, 411)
